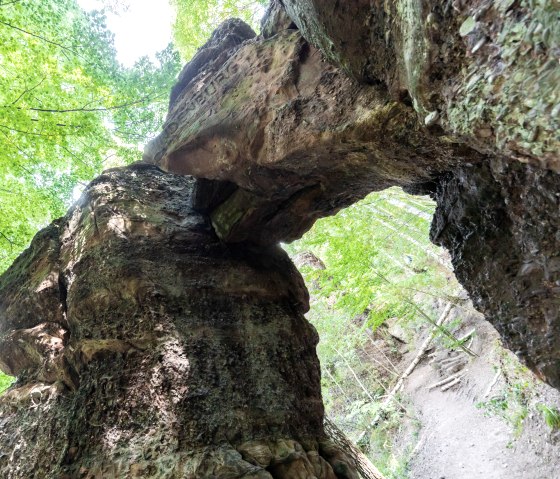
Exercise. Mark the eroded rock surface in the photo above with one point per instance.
(501, 224)
(296, 137)
(157, 330)
(297, 124)
(486, 71)
(172, 353)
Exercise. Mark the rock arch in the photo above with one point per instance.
(157, 329)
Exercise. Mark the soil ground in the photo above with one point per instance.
(486, 426)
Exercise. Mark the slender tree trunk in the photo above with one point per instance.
(364, 466)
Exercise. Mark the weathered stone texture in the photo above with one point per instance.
(296, 137)
(158, 331)
(176, 355)
(486, 71)
(420, 92)
(501, 224)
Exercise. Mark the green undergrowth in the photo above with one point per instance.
(370, 267)
(5, 382)
(516, 400)
(551, 416)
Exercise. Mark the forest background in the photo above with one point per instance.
(69, 109)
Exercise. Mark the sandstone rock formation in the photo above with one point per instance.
(501, 224)
(285, 138)
(157, 330)
(486, 71)
(146, 347)
(281, 137)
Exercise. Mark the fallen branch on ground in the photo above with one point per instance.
(362, 464)
(443, 382)
(451, 384)
(398, 385)
(493, 383)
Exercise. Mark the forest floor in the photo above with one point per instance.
(377, 287)
(486, 426)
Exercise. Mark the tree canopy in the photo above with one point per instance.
(196, 19)
(68, 110)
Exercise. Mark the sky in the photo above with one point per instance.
(143, 28)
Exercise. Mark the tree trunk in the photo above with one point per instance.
(167, 353)
(360, 461)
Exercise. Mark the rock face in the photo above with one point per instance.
(168, 353)
(501, 223)
(290, 138)
(486, 71)
(297, 124)
(157, 330)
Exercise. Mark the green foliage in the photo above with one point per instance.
(196, 19)
(68, 110)
(551, 416)
(392, 463)
(5, 382)
(378, 258)
(379, 265)
(511, 405)
(512, 402)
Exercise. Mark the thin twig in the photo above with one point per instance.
(86, 110)
(37, 36)
(28, 90)
(7, 239)
(9, 3)
(355, 376)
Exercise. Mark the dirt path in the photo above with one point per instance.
(457, 440)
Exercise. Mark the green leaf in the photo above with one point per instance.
(467, 26)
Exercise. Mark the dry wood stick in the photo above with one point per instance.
(398, 385)
(451, 384)
(450, 362)
(467, 335)
(363, 465)
(493, 383)
(444, 381)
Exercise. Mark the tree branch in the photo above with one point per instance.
(7, 239)
(37, 36)
(109, 108)
(28, 90)
(24, 132)
(9, 3)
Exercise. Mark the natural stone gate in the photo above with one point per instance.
(158, 331)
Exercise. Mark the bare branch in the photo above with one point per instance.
(7, 239)
(24, 132)
(109, 108)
